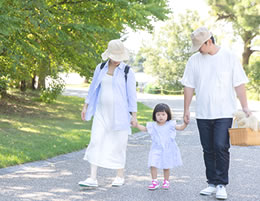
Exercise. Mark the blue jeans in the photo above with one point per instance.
(214, 139)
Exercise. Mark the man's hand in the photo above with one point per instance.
(186, 117)
(247, 111)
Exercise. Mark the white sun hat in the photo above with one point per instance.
(198, 37)
(116, 51)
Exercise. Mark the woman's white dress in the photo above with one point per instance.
(107, 147)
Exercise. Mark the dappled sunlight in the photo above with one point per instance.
(30, 130)
(36, 169)
(65, 173)
(186, 133)
(60, 190)
(13, 122)
(182, 179)
(17, 188)
(37, 195)
(32, 173)
(9, 189)
(134, 178)
(253, 197)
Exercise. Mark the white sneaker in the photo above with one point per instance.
(221, 193)
(118, 181)
(209, 190)
(89, 182)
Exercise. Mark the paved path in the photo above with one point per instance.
(56, 179)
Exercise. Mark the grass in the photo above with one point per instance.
(31, 130)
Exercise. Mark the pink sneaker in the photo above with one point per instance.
(154, 185)
(166, 185)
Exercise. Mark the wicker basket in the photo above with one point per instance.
(244, 137)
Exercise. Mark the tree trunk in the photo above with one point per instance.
(246, 55)
(34, 82)
(3, 93)
(41, 82)
(247, 38)
(23, 85)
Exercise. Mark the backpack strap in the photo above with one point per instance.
(126, 71)
(102, 65)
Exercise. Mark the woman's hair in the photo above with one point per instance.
(161, 107)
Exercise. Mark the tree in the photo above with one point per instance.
(245, 18)
(45, 37)
(254, 75)
(166, 57)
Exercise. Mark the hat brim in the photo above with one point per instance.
(195, 48)
(115, 57)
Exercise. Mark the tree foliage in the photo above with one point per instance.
(166, 59)
(44, 37)
(244, 16)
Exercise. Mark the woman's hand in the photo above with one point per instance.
(134, 120)
(83, 112)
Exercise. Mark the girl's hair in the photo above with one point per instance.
(161, 107)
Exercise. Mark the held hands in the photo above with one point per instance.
(134, 122)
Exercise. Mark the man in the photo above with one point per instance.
(215, 74)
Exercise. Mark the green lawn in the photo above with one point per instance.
(31, 130)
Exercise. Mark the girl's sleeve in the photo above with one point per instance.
(149, 127)
(91, 87)
(173, 129)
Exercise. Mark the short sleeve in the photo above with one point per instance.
(149, 127)
(239, 75)
(173, 129)
(172, 124)
(188, 79)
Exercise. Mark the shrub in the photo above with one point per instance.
(152, 89)
(3, 85)
(54, 89)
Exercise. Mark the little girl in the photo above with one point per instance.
(164, 153)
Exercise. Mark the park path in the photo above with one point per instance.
(56, 179)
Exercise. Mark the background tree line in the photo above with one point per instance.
(165, 58)
(43, 37)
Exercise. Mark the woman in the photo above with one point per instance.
(111, 99)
